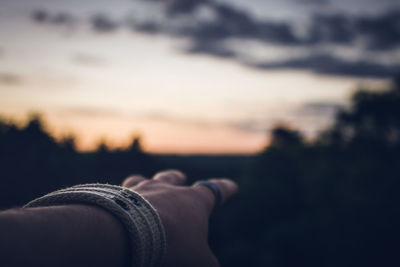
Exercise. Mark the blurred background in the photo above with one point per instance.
(296, 100)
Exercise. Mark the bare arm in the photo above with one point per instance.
(70, 235)
(84, 235)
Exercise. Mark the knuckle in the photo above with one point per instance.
(172, 173)
(128, 181)
(146, 183)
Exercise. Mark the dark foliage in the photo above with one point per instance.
(332, 202)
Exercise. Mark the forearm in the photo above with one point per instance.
(70, 235)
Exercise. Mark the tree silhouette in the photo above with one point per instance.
(374, 118)
(285, 137)
(135, 146)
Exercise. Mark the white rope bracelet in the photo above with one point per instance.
(141, 220)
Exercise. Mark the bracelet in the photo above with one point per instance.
(140, 219)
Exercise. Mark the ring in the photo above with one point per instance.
(214, 189)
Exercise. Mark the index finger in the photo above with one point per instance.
(227, 188)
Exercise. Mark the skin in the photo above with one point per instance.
(83, 235)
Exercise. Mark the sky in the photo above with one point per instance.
(191, 76)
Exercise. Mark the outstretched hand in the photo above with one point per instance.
(184, 212)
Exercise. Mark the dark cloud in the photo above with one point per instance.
(379, 32)
(39, 15)
(187, 6)
(382, 32)
(102, 23)
(233, 23)
(181, 6)
(328, 64)
(226, 22)
(312, 2)
(7, 78)
(336, 28)
(229, 22)
(60, 18)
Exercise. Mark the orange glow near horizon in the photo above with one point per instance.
(159, 137)
(156, 137)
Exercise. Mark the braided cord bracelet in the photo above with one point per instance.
(140, 219)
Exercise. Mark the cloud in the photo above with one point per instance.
(327, 64)
(214, 49)
(254, 126)
(249, 125)
(371, 33)
(313, 117)
(186, 18)
(209, 25)
(181, 6)
(176, 119)
(60, 18)
(232, 23)
(7, 78)
(379, 32)
(204, 21)
(310, 118)
(187, 6)
(320, 109)
(382, 32)
(103, 24)
(88, 59)
(245, 125)
(335, 28)
(225, 22)
(312, 2)
(146, 26)
(90, 111)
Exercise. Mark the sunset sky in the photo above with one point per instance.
(191, 76)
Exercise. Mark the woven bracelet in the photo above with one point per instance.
(140, 219)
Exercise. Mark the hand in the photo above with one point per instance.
(184, 212)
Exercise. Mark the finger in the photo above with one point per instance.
(227, 188)
(173, 177)
(133, 180)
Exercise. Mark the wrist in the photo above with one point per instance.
(139, 218)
